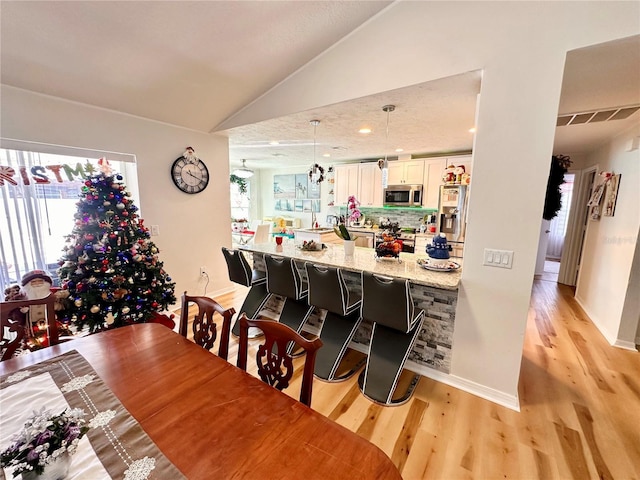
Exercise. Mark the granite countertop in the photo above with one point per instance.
(364, 260)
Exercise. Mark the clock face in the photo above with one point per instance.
(190, 175)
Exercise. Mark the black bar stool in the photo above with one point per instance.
(328, 291)
(241, 272)
(387, 302)
(284, 280)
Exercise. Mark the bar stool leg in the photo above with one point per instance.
(380, 378)
(337, 331)
(255, 301)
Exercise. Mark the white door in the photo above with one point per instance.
(542, 246)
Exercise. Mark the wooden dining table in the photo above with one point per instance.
(212, 419)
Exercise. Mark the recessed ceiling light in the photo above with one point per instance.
(398, 150)
(274, 142)
(326, 155)
(365, 130)
(472, 130)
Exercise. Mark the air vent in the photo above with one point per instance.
(607, 115)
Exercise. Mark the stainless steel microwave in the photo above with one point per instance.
(403, 195)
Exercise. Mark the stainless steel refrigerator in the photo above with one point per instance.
(452, 215)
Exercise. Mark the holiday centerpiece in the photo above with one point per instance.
(390, 247)
(439, 250)
(439, 257)
(111, 267)
(43, 448)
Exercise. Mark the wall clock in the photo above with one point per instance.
(189, 173)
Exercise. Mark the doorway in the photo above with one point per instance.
(577, 223)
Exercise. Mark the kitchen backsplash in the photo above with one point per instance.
(406, 217)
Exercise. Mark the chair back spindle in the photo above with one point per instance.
(275, 365)
(204, 328)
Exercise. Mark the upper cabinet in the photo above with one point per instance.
(410, 172)
(433, 169)
(346, 182)
(433, 176)
(370, 185)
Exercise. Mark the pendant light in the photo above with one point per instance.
(243, 172)
(316, 172)
(384, 165)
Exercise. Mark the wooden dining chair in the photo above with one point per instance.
(203, 327)
(275, 365)
(14, 331)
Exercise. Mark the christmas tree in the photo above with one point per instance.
(110, 266)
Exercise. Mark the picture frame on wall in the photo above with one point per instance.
(284, 186)
(306, 206)
(314, 191)
(301, 185)
(298, 206)
(611, 195)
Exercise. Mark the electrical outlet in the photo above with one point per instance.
(203, 271)
(155, 230)
(498, 258)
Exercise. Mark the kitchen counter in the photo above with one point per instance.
(434, 292)
(364, 260)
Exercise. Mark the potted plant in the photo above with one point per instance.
(349, 239)
(43, 448)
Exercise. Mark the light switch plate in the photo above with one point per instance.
(498, 258)
(155, 230)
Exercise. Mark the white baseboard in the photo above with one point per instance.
(626, 345)
(509, 401)
(496, 396)
(609, 337)
(605, 333)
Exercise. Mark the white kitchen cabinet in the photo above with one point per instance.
(433, 169)
(370, 185)
(410, 172)
(346, 182)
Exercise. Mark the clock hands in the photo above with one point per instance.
(194, 176)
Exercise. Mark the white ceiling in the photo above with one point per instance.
(196, 63)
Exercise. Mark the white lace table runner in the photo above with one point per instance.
(116, 446)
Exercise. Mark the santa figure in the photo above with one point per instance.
(36, 285)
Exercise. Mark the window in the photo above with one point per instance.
(38, 195)
(240, 202)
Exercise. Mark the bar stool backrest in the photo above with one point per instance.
(283, 277)
(387, 301)
(327, 288)
(239, 268)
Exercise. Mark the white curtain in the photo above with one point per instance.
(36, 217)
(558, 226)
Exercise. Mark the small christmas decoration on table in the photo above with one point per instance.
(44, 447)
(110, 267)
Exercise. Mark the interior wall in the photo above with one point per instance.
(193, 228)
(610, 244)
(520, 47)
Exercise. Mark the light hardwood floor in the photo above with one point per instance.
(579, 418)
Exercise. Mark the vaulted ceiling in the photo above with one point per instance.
(196, 63)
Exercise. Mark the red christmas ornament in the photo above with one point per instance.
(105, 262)
(88, 183)
(154, 305)
(125, 214)
(89, 237)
